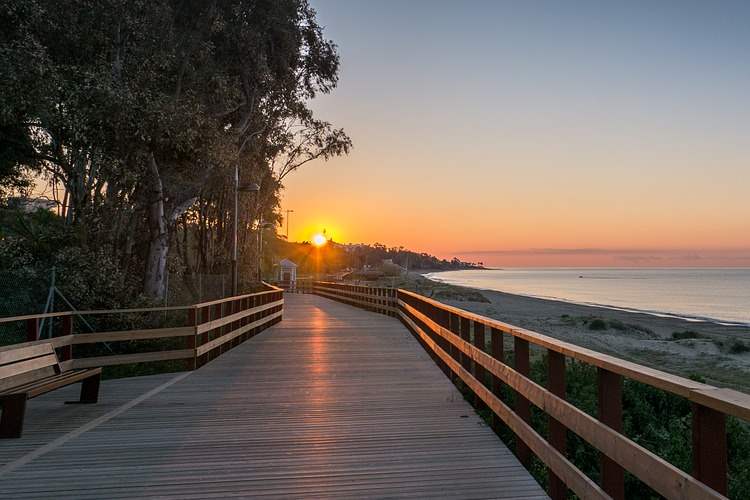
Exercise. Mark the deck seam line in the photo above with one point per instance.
(42, 450)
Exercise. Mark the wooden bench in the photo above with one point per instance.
(28, 372)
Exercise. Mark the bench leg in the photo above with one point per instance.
(89, 390)
(11, 421)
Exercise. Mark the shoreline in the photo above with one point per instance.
(713, 351)
(652, 312)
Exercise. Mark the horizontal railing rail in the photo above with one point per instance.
(377, 299)
(299, 285)
(210, 329)
(470, 347)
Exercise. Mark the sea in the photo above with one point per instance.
(720, 295)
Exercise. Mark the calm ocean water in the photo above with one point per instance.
(712, 294)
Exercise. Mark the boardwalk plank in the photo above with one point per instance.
(333, 402)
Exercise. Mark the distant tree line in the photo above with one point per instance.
(362, 255)
(133, 115)
(335, 257)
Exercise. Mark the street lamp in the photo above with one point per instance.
(287, 223)
(261, 226)
(250, 188)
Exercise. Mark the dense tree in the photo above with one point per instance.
(335, 257)
(137, 112)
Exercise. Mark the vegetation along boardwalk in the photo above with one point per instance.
(332, 402)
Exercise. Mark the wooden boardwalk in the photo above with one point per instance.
(332, 402)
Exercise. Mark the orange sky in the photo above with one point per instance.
(624, 156)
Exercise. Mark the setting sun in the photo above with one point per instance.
(319, 240)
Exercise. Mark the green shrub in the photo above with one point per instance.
(687, 334)
(616, 324)
(738, 347)
(597, 324)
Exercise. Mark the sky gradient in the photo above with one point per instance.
(537, 133)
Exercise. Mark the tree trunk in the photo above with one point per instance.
(154, 283)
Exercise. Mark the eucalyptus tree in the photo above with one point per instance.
(140, 110)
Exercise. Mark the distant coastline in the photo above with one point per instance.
(439, 276)
(691, 347)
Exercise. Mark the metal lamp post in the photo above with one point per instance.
(287, 223)
(261, 226)
(248, 188)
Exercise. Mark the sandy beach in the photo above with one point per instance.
(717, 353)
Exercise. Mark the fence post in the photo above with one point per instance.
(192, 320)
(236, 307)
(557, 432)
(479, 372)
(498, 352)
(433, 313)
(442, 318)
(207, 316)
(465, 327)
(523, 410)
(454, 325)
(710, 447)
(67, 329)
(610, 413)
(32, 329)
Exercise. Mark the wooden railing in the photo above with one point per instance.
(470, 347)
(300, 285)
(210, 329)
(376, 299)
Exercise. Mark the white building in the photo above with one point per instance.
(288, 273)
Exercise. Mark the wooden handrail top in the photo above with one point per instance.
(92, 312)
(219, 322)
(728, 401)
(272, 289)
(10, 319)
(350, 285)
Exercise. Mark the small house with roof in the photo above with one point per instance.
(287, 273)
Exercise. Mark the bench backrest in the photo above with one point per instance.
(27, 364)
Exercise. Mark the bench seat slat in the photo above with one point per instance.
(22, 387)
(72, 378)
(22, 367)
(53, 381)
(24, 353)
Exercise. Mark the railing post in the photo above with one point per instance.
(710, 447)
(206, 316)
(280, 296)
(523, 410)
(251, 317)
(454, 325)
(32, 329)
(479, 372)
(465, 326)
(557, 431)
(67, 329)
(244, 306)
(498, 352)
(610, 413)
(443, 319)
(434, 313)
(226, 310)
(236, 307)
(192, 320)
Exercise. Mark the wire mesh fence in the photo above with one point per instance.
(25, 293)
